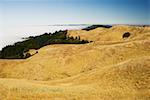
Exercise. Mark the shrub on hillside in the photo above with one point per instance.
(126, 35)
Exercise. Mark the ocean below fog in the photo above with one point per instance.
(10, 35)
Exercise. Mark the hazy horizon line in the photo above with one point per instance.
(78, 24)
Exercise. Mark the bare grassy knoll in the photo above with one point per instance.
(109, 68)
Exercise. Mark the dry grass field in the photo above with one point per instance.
(109, 68)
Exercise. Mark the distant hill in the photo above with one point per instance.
(96, 26)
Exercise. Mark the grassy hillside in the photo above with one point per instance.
(111, 67)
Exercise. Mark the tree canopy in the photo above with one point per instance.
(18, 50)
(96, 26)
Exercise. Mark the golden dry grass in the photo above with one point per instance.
(108, 68)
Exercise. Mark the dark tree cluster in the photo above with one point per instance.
(17, 50)
(96, 26)
(126, 35)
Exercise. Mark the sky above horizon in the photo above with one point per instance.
(45, 12)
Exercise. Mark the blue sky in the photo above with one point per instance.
(44, 12)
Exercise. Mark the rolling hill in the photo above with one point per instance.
(110, 67)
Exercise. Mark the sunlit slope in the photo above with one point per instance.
(110, 67)
(126, 80)
(112, 35)
(60, 61)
